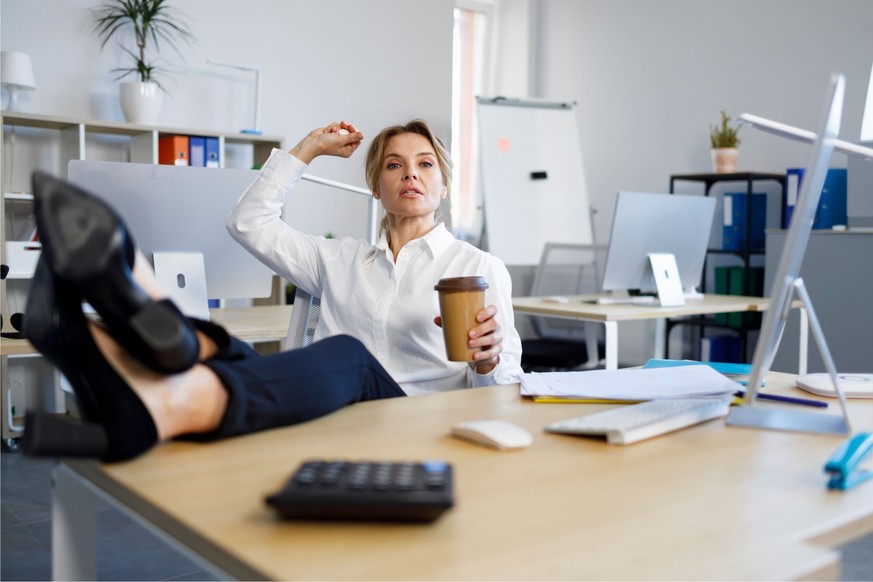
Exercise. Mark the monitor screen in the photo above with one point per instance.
(646, 223)
(867, 120)
(181, 209)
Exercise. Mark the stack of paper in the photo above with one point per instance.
(629, 384)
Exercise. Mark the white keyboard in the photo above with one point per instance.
(633, 300)
(632, 423)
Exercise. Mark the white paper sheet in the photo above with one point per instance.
(630, 384)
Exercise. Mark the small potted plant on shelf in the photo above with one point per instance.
(724, 141)
(150, 21)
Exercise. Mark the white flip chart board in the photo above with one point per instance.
(533, 178)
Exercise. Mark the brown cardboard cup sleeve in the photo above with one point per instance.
(461, 298)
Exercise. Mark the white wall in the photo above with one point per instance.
(374, 63)
(651, 77)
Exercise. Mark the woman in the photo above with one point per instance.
(151, 374)
(384, 295)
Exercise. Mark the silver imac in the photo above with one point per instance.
(645, 223)
(181, 209)
(867, 120)
(787, 283)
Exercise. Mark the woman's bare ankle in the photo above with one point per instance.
(191, 402)
(208, 347)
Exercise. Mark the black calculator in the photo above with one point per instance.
(366, 490)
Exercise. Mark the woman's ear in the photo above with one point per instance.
(376, 194)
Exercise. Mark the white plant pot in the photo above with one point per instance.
(141, 102)
(724, 160)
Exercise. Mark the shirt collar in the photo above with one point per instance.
(436, 242)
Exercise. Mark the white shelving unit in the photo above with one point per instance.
(47, 142)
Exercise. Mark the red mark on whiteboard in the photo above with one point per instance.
(503, 145)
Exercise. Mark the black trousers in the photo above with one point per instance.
(292, 387)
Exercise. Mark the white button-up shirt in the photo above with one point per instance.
(387, 305)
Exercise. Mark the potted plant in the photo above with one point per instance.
(724, 141)
(151, 21)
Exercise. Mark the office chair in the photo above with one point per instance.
(564, 344)
(304, 318)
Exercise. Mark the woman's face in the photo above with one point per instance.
(410, 182)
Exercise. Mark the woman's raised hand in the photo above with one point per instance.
(339, 138)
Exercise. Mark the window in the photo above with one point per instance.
(470, 66)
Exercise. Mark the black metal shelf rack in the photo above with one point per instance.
(745, 253)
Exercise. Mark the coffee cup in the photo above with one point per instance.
(461, 298)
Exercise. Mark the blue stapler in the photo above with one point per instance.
(843, 466)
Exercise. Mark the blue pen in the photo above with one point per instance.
(788, 399)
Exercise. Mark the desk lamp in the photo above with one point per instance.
(16, 74)
(372, 208)
(256, 122)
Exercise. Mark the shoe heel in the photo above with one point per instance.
(172, 345)
(58, 435)
(88, 245)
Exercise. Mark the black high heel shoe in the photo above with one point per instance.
(116, 424)
(88, 246)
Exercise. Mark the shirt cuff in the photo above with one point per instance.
(477, 380)
(282, 168)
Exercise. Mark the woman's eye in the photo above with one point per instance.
(392, 165)
(427, 164)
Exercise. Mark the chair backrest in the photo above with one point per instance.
(569, 269)
(566, 269)
(304, 318)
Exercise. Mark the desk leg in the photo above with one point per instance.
(611, 344)
(803, 336)
(74, 527)
(660, 351)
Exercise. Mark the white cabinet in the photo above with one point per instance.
(48, 143)
(837, 271)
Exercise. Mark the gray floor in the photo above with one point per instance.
(126, 551)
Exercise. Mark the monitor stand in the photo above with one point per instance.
(667, 280)
(792, 420)
(183, 276)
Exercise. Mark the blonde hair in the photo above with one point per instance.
(376, 156)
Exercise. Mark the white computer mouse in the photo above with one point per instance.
(555, 299)
(498, 434)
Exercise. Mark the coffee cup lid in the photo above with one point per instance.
(462, 284)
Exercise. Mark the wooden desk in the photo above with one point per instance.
(709, 502)
(262, 323)
(582, 307)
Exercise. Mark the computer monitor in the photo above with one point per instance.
(788, 285)
(867, 120)
(181, 209)
(646, 223)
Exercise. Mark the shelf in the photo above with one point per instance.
(51, 142)
(117, 128)
(735, 177)
(744, 253)
(144, 138)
